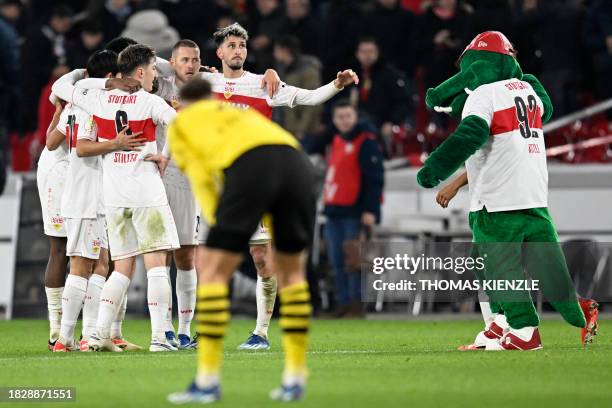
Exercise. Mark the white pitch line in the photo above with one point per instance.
(143, 355)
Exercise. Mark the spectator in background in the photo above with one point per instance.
(151, 27)
(112, 14)
(9, 77)
(598, 39)
(442, 29)
(344, 21)
(43, 59)
(195, 19)
(267, 25)
(300, 23)
(9, 64)
(10, 12)
(382, 95)
(352, 196)
(88, 42)
(392, 28)
(303, 71)
(552, 26)
(492, 15)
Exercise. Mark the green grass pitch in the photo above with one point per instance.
(353, 364)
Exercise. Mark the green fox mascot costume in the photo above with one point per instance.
(500, 140)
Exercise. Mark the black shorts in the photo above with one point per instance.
(273, 179)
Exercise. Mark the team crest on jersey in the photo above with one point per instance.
(229, 89)
(175, 103)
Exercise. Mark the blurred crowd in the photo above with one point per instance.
(398, 47)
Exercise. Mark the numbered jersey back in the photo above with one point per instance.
(509, 171)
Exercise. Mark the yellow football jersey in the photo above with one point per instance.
(208, 136)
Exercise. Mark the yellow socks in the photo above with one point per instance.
(295, 311)
(212, 316)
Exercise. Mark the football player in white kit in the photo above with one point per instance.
(83, 208)
(138, 217)
(50, 177)
(185, 63)
(243, 89)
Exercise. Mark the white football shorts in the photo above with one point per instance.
(138, 230)
(86, 236)
(50, 185)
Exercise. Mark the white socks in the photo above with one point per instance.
(487, 315)
(265, 294)
(72, 303)
(92, 304)
(54, 305)
(111, 297)
(186, 283)
(118, 321)
(169, 325)
(158, 291)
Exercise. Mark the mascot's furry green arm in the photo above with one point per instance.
(479, 65)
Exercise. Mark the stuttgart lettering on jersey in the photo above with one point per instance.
(125, 157)
(121, 99)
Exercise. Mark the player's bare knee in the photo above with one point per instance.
(185, 257)
(80, 266)
(259, 255)
(57, 247)
(101, 268)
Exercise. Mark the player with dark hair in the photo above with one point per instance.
(242, 89)
(138, 216)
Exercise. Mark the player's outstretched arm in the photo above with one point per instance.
(64, 86)
(448, 192)
(292, 96)
(54, 136)
(123, 142)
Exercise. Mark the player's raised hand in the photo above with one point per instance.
(345, 78)
(160, 160)
(129, 142)
(130, 85)
(446, 194)
(271, 81)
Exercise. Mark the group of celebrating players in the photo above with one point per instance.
(110, 191)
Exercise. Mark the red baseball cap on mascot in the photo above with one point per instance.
(492, 41)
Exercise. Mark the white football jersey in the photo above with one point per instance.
(48, 158)
(82, 197)
(129, 181)
(246, 92)
(509, 171)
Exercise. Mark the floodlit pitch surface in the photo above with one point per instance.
(353, 364)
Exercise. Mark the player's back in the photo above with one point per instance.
(129, 180)
(509, 171)
(82, 197)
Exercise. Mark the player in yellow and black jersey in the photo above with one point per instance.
(225, 153)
